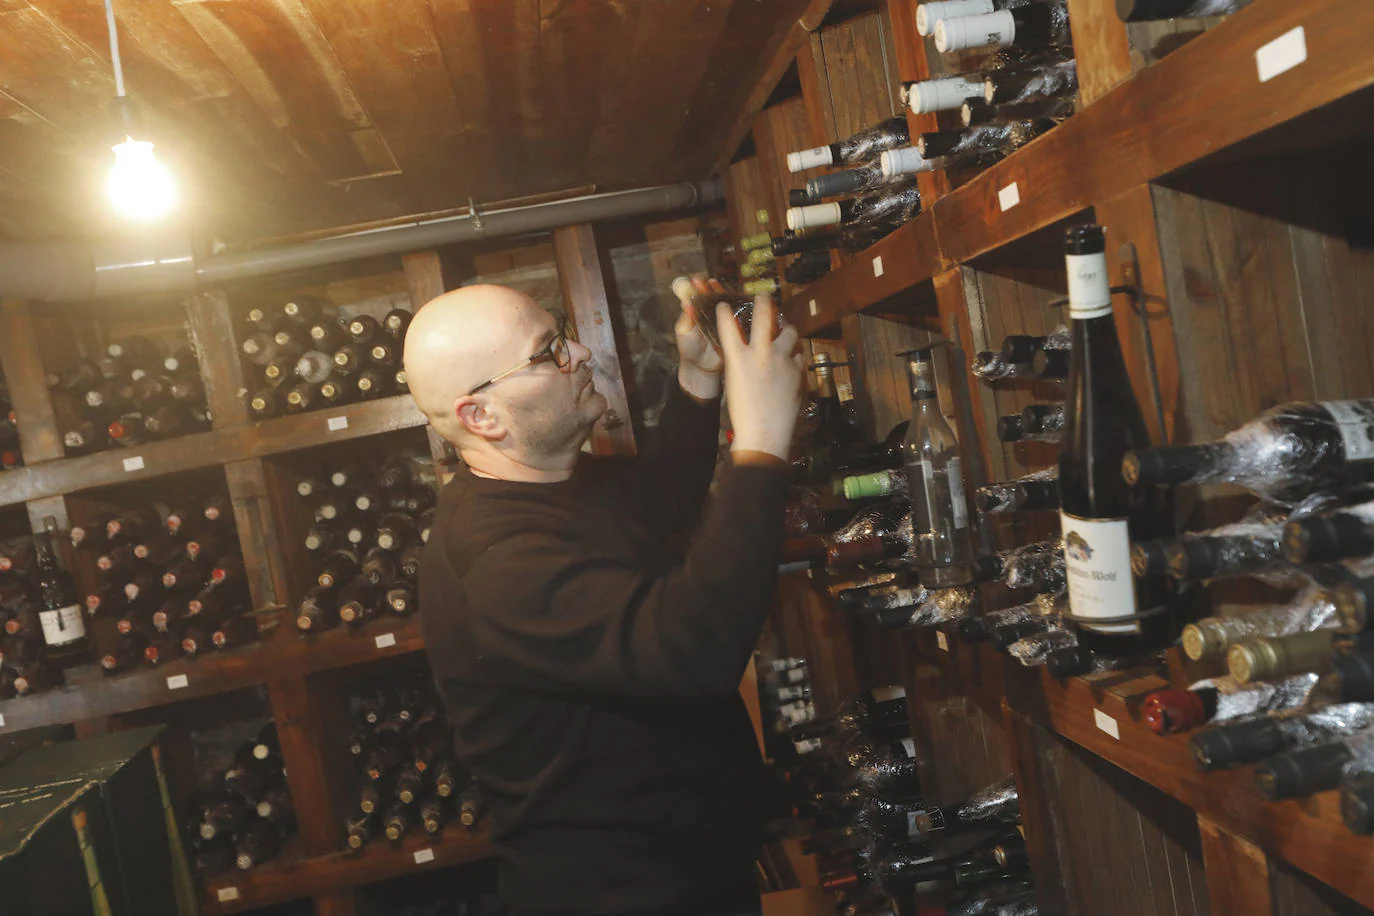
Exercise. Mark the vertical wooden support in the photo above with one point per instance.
(815, 87)
(259, 532)
(953, 307)
(1239, 879)
(1035, 781)
(912, 65)
(40, 439)
(39, 509)
(313, 729)
(1100, 47)
(217, 347)
(584, 296)
(1130, 221)
(336, 903)
(424, 277)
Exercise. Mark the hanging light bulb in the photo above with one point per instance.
(139, 186)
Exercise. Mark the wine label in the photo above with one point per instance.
(1090, 291)
(936, 818)
(942, 640)
(909, 747)
(423, 855)
(1356, 422)
(912, 829)
(62, 626)
(956, 493)
(1097, 558)
(805, 159)
(888, 694)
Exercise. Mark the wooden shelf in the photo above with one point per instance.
(292, 877)
(1202, 103)
(201, 450)
(280, 651)
(1307, 833)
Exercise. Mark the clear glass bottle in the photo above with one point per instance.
(942, 535)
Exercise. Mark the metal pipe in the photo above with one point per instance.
(68, 272)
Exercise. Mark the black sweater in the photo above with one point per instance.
(592, 674)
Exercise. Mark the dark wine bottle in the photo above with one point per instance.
(318, 611)
(358, 601)
(861, 147)
(257, 842)
(1035, 493)
(888, 207)
(302, 310)
(1151, 10)
(59, 603)
(1098, 515)
(396, 323)
(996, 804)
(1048, 82)
(1298, 774)
(983, 142)
(360, 830)
(1035, 423)
(397, 820)
(471, 806)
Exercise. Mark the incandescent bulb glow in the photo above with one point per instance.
(139, 186)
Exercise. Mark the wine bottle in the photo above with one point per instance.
(1241, 743)
(135, 354)
(1030, 357)
(364, 329)
(318, 611)
(410, 784)
(395, 531)
(1222, 699)
(225, 812)
(1248, 546)
(1098, 516)
(1035, 423)
(397, 820)
(940, 522)
(1034, 27)
(862, 146)
(1265, 658)
(1283, 455)
(996, 804)
(1036, 492)
(396, 323)
(1054, 81)
(276, 807)
(887, 207)
(59, 603)
(358, 601)
(302, 310)
(471, 806)
(1212, 637)
(401, 598)
(1333, 536)
(1298, 774)
(1151, 10)
(266, 403)
(866, 177)
(257, 842)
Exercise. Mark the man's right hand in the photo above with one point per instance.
(763, 380)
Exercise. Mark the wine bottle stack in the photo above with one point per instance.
(44, 630)
(368, 534)
(138, 392)
(171, 578)
(245, 817)
(408, 780)
(303, 355)
(11, 456)
(877, 839)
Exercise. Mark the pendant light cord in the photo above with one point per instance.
(114, 48)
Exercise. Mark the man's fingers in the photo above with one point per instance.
(731, 340)
(700, 284)
(764, 321)
(787, 339)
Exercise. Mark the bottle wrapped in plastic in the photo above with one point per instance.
(1037, 491)
(1298, 774)
(1039, 566)
(1034, 650)
(996, 804)
(1249, 545)
(1311, 609)
(944, 605)
(1222, 699)
(992, 365)
(1249, 742)
(1035, 423)
(1018, 904)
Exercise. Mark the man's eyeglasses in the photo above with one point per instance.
(555, 351)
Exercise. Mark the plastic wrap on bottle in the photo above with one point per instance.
(1003, 496)
(1039, 566)
(944, 605)
(1248, 544)
(1056, 79)
(869, 522)
(1236, 700)
(997, 802)
(1311, 609)
(1020, 905)
(896, 204)
(892, 597)
(1330, 723)
(1033, 650)
(989, 366)
(803, 514)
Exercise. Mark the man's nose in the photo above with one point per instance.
(580, 355)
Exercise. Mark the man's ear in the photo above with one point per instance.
(474, 417)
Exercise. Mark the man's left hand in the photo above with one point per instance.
(699, 363)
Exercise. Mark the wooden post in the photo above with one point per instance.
(1239, 880)
(312, 726)
(336, 903)
(1100, 47)
(584, 297)
(424, 277)
(221, 369)
(259, 533)
(22, 365)
(1035, 784)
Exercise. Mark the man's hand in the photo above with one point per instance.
(699, 363)
(764, 380)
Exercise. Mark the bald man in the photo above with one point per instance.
(590, 671)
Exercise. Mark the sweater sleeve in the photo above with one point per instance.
(674, 474)
(551, 614)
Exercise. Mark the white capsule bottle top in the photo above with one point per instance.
(928, 15)
(905, 161)
(805, 159)
(799, 218)
(945, 94)
(987, 30)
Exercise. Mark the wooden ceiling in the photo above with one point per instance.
(285, 116)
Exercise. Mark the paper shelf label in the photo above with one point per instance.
(1106, 723)
(386, 640)
(133, 464)
(942, 640)
(812, 308)
(878, 266)
(424, 855)
(177, 681)
(227, 893)
(1282, 54)
(2, 720)
(1009, 197)
(337, 423)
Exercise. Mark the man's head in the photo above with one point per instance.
(536, 416)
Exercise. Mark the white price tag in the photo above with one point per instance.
(813, 308)
(1282, 54)
(227, 893)
(878, 266)
(424, 855)
(1106, 723)
(177, 681)
(942, 640)
(1009, 197)
(133, 464)
(386, 640)
(2, 721)
(337, 423)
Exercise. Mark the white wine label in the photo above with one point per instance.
(177, 681)
(942, 640)
(805, 159)
(227, 893)
(1106, 723)
(955, 471)
(1282, 54)
(424, 855)
(337, 423)
(813, 308)
(909, 746)
(1097, 558)
(878, 266)
(133, 464)
(1008, 197)
(913, 829)
(62, 626)
(1090, 290)
(1356, 422)
(385, 641)
(888, 694)
(2, 721)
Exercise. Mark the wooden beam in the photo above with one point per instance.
(1041, 810)
(40, 439)
(783, 55)
(1100, 48)
(585, 298)
(313, 728)
(424, 277)
(259, 534)
(217, 348)
(336, 903)
(815, 87)
(1239, 879)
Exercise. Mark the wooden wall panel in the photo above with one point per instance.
(1297, 894)
(744, 195)
(861, 76)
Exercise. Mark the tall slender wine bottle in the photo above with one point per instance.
(1151, 10)
(939, 511)
(1099, 515)
(862, 146)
